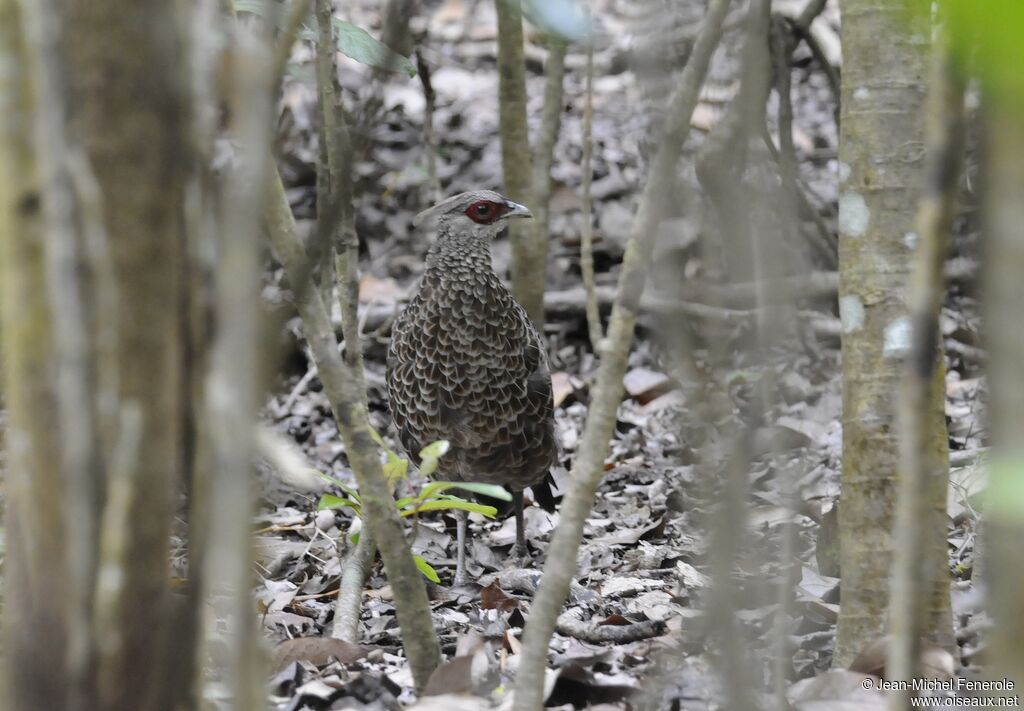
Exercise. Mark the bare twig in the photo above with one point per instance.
(298, 11)
(587, 236)
(350, 590)
(571, 624)
(589, 465)
(429, 140)
(810, 11)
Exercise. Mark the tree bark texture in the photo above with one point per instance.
(881, 162)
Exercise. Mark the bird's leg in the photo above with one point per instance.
(519, 552)
(461, 518)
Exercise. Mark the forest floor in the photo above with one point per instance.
(646, 555)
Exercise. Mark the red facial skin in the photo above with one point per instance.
(484, 212)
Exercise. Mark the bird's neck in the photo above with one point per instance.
(456, 251)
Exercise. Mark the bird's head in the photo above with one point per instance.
(482, 213)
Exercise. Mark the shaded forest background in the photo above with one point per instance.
(770, 268)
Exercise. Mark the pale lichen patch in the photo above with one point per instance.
(843, 172)
(861, 93)
(910, 239)
(896, 342)
(851, 313)
(854, 215)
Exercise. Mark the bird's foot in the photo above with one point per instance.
(519, 557)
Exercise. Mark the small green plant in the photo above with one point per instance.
(433, 496)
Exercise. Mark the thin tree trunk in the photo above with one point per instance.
(589, 465)
(528, 268)
(880, 172)
(547, 138)
(126, 89)
(35, 575)
(346, 391)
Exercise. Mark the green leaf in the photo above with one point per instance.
(340, 484)
(405, 501)
(492, 490)
(985, 37)
(1004, 499)
(434, 488)
(430, 455)
(450, 504)
(354, 42)
(424, 567)
(566, 19)
(330, 501)
(395, 468)
(357, 43)
(255, 7)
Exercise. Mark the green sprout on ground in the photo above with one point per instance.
(433, 496)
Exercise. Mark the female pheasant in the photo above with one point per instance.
(466, 364)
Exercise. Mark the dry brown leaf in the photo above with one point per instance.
(494, 598)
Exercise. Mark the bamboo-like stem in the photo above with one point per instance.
(589, 465)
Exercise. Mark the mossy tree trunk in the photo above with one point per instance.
(881, 159)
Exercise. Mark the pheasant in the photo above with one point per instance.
(466, 364)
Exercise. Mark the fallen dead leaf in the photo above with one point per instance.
(493, 597)
(644, 384)
(318, 651)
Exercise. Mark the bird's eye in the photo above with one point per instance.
(483, 212)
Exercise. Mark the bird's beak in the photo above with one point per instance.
(517, 210)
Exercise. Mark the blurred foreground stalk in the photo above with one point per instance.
(589, 465)
(1004, 294)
